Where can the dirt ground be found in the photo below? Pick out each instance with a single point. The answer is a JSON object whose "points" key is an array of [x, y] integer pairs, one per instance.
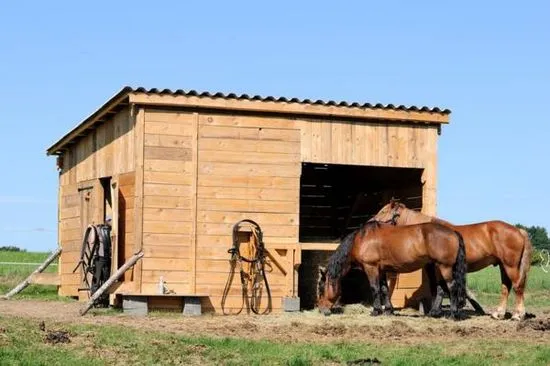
{"points": [[354, 324]]}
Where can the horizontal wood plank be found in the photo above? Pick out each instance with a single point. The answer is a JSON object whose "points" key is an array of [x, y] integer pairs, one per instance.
{"points": [[164, 239], [156, 115], [245, 180], [167, 202], [267, 194], [178, 288], [260, 218], [165, 264], [179, 178], [225, 156], [166, 214], [246, 121], [256, 170], [164, 128], [167, 153], [262, 146], [170, 277], [290, 231], [163, 227], [167, 141], [72, 200], [172, 190], [249, 133], [167, 166], [235, 205], [69, 212], [166, 251]]}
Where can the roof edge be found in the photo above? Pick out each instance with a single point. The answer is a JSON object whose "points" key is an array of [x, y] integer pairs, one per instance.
{"points": [[85, 124], [193, 98]]}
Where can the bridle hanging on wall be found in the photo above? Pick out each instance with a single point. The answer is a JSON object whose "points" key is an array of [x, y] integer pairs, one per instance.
{"points": [[256, 274]]}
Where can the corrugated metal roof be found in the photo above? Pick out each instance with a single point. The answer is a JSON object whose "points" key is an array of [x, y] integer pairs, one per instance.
{"points": [[122, 99], [195, 93]]}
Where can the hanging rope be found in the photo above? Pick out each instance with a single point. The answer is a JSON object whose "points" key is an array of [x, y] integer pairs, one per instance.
{"points": [[255, 274]]}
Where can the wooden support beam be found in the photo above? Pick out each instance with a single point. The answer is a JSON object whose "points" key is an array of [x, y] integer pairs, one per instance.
{"points": [[17, 289], [129, 263]]}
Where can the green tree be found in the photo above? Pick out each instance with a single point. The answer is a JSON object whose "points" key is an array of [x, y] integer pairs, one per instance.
{"points": [[538, 235]]}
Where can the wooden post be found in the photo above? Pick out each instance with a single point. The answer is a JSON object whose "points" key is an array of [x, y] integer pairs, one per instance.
{"points": [[129, 263], [28, 280]]}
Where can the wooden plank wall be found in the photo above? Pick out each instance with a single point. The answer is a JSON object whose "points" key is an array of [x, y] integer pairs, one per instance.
{"points": [[245, 167], [107, 151], [167, 183], [249, 167]]}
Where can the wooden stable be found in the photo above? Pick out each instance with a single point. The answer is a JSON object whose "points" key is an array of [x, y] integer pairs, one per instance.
{"points": [[177, 169]]}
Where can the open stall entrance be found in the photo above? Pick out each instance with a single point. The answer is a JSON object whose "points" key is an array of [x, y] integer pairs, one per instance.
{"points": [[336, 199]]}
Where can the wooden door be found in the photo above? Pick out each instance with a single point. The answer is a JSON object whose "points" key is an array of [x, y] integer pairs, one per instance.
{"points": [[91, 213]]}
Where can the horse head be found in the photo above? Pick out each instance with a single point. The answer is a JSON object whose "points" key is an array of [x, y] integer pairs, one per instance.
{"points": [[390, 213], [327, 292]]}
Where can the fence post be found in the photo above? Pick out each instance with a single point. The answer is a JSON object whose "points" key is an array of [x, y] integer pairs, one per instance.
{"points": [[17, 289]]}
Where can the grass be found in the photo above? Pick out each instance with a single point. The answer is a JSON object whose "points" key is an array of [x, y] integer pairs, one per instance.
{"points": [[12, 275], [486, 286], [22, 343]]}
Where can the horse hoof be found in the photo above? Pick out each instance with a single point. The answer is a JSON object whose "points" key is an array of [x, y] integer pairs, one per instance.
{"points": [[456, 316], [517, 317], [434, 313], [388, 311], [497, 315], [375, 312]]}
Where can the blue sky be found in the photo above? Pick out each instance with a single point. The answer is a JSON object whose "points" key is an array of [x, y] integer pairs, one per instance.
{"points": [[487, 63]]}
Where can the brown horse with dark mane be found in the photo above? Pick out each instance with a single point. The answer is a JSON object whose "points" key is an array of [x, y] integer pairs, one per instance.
{"points": [[379, 248], [487, 243]]}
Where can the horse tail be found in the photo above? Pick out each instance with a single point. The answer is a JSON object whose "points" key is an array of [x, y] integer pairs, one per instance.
{"points": [[459, 273], [525, 262]]}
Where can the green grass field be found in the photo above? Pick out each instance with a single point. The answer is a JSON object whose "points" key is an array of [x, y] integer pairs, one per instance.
{"points": [[486, 286], [11, 275], [22, 343]]}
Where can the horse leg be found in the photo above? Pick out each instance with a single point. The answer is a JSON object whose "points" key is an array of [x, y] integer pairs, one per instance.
{"points": [[374, 281], [384, 294], [514, 275], [436, 291], [504, 292]]}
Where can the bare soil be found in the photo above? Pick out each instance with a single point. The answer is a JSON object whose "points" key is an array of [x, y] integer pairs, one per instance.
{"points": [[354, 324]]}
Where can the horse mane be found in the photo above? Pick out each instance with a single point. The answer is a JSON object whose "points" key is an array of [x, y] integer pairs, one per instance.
{"points": [[340, 258]]}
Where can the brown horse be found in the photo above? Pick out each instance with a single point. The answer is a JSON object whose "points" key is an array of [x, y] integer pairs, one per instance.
{"points": [[379, 248], [487, 243]]}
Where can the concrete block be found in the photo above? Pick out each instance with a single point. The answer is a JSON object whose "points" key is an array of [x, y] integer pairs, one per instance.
{"points": [[192, 306], [135, 305], [291, 303]]}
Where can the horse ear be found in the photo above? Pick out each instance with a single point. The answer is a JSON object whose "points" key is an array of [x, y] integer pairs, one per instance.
{"points": [[393, 202]]}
